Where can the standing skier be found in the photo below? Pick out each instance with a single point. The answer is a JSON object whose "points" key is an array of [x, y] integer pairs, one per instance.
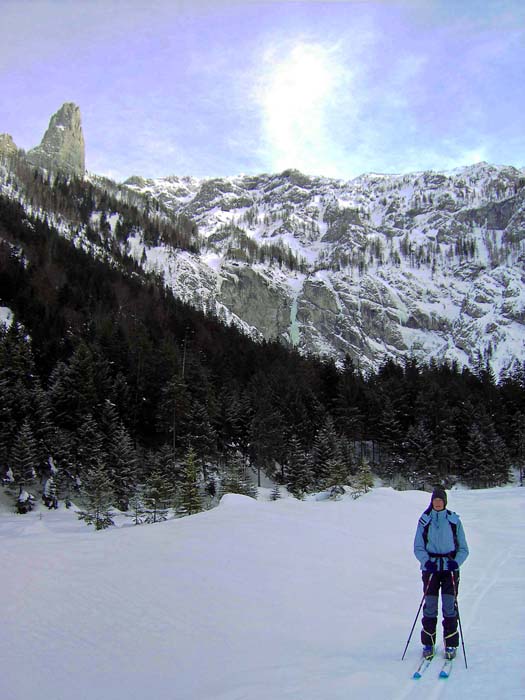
{"points": [[441, 548]]}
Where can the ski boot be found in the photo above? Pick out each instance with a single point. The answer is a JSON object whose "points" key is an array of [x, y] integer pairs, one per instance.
{"points": [[428, 652], [450, 652]]}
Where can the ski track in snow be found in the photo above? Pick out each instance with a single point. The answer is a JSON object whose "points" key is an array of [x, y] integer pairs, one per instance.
{"points": [[257, 601]]}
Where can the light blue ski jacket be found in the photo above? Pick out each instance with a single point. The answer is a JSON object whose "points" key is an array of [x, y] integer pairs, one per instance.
{"points": [[440, 539]]}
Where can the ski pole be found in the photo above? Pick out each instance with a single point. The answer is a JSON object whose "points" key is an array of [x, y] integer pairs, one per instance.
{"points": [[459, 617], [417, 615]]}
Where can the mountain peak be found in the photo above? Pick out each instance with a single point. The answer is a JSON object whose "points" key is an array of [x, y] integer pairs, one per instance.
{"points": [[7, 145], [62, 147]]}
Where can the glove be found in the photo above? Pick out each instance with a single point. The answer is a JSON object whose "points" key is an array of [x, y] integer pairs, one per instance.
{"points": [[452, 565], [431, 567]]}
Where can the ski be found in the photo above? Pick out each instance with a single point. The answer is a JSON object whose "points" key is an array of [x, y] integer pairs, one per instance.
{"points": [[446, 669], [423, 665]]}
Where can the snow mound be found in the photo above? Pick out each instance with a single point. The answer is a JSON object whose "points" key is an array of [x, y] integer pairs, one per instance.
{"points": [[6, 316], [236, 499]]}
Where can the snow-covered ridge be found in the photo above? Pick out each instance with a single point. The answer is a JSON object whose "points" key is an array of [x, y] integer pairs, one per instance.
{"points": [[427, 263]]}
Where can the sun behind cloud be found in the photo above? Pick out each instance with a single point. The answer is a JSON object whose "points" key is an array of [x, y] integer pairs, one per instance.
{"points": [[298, 90]]}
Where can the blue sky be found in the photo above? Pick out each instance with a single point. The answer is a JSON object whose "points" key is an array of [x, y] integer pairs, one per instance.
{"points": [[222, 88]]}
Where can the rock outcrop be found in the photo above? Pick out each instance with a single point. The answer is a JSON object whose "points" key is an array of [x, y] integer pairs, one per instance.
{"points": [[7, 146], [62, 148]]}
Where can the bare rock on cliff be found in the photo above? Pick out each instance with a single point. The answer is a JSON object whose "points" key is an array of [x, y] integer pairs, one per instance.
{"points": [[62, 148]]}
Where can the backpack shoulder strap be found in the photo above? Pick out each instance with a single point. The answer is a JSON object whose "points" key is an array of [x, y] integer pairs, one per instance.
{"points": [[454, 527], [425, 521]]}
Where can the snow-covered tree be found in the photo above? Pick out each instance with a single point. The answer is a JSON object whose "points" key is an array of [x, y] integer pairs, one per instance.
{"points": [[50, 493]]}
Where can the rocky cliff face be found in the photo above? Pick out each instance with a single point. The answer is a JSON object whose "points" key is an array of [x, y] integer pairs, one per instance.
{"points": [[7, 146], [430, 264], [62, 147]]}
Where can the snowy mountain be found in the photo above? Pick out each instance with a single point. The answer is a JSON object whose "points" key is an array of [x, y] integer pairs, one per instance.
{"points": [[256, 600], [382, 266], [427, 264]]}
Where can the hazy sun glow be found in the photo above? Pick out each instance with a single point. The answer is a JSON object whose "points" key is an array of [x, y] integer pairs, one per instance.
{"points": [[295, 98]]}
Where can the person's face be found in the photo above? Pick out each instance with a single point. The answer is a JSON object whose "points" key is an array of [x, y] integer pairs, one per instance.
{"points": [[438, 504]]}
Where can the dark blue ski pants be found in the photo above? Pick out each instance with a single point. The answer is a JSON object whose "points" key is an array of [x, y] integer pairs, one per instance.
{"points": [[440, 581]]}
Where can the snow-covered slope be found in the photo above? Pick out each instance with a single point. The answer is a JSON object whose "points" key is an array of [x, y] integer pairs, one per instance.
{"points": [[383, 266], [256, 601]]}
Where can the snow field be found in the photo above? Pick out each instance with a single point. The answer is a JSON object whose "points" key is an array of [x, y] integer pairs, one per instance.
{"points": [[256, 600]]}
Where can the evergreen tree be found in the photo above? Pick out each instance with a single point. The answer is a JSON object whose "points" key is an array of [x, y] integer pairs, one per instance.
{"points": [[338, 475], [229, 421], [391, 436], [136, 507], [298, 474], [492, 457], [73, 389], [66, 473], [446, 450], [18, 379], [419, 453], [276, 493], [364, 480], [518, 434], [97, 497], [44, 430], [268, 431], [159, 494], [499, 454], [24, 458], [123, 466], [190, 501], [477, 464], [88, 448], [235, 480], [174, 411], [121, 458], [326, 455], [202, 437], [348, 416]]}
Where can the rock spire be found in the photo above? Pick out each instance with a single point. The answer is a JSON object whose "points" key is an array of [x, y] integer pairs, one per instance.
{"points": [[62, 147], [7, 145]]}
